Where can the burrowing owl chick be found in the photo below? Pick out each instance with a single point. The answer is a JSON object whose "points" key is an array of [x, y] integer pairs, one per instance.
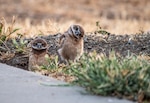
{"points": [[37, 56], [71, 47]]}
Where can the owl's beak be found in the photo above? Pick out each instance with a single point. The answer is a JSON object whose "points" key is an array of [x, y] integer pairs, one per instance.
{"points": [[39, 45], [77, 32]]}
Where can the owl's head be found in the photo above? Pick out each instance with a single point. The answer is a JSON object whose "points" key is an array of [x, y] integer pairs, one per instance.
{"points": [[39, 44], [76, 31]]}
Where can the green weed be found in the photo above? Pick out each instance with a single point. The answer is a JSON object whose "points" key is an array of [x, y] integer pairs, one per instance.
{"points": [[125, 77], [52, 64], [20, 45], [100, 30], [5, 32]]}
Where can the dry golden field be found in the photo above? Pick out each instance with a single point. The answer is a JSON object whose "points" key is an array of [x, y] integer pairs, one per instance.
{"points": [[53, 16]]}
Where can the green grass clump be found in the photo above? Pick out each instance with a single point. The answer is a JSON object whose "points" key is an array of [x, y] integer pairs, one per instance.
{"points": [[52, 65], [125, 77], [20, 45], [5, 33]]}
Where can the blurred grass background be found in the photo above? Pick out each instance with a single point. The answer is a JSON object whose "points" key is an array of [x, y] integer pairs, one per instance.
{"points": [[53, 16]]}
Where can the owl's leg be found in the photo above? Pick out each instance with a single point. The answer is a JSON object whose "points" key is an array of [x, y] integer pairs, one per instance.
{"points": [[61, 59]]}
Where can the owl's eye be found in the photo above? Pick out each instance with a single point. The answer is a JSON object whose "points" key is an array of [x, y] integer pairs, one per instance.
{"points": [[75, 28], [43, 44], [34, 44]]}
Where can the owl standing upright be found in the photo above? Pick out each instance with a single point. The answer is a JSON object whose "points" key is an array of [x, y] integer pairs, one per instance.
{"points": [[71, 44]]}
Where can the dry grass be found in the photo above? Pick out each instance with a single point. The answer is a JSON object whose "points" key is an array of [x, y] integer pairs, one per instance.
{"points": [[48, 27], [50, 16]]}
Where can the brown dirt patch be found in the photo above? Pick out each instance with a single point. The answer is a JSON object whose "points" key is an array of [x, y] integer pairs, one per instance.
{"points": [[139, 45]]}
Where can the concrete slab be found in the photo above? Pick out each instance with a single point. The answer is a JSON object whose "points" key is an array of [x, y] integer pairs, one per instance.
{"points": [[20, 86]]}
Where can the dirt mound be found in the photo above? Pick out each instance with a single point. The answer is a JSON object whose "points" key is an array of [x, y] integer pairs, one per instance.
{"points": [[123, 44]]}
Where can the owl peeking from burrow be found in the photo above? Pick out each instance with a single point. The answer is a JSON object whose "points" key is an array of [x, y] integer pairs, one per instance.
{"points": [[38, 53]]}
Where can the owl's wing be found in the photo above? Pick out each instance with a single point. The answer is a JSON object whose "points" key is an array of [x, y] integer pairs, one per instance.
{"points": [[62, 39]]}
